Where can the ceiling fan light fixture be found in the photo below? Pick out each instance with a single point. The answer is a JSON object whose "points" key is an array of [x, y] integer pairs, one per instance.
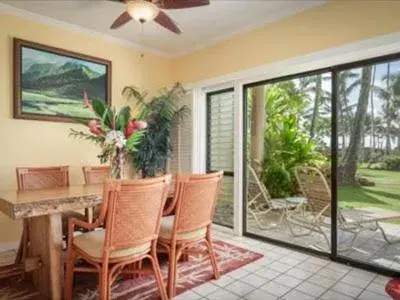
{"points": [[142, 11]]}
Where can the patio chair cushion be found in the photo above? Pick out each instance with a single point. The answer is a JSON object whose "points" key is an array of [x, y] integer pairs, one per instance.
{"points": [[167, 224], [393, 289], [92, 243]]}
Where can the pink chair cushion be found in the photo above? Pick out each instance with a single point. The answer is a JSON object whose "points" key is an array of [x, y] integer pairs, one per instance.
{"points": [[393, 289]]}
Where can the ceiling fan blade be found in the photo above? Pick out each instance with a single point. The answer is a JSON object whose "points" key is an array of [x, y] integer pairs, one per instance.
{"points": [[121, 20], [177, 4], [165, 21]]}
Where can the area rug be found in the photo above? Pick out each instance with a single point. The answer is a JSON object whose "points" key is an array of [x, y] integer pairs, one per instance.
{"points": [[196, 271]]}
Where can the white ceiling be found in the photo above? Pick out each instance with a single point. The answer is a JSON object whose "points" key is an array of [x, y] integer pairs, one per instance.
{"points": [[202, 26]]}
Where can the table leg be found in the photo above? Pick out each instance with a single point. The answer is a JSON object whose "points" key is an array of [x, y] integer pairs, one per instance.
{"points": [[45, 240]]}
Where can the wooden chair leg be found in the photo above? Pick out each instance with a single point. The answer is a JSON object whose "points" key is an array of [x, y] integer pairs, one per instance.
{"points": [[69, 275], [172, 272], [158, 275], [104, 293], [213, 259]]}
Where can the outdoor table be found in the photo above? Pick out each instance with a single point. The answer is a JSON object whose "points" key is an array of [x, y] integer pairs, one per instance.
{"points": [[41, 211]]}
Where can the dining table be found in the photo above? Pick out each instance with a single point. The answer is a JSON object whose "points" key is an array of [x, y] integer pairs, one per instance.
{"points": [[41, 212]]}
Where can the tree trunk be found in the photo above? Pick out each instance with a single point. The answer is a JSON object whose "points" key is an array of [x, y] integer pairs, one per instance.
{"points": [[257, 126], [347, 171], [388, 115], [372, 110], [317, 101]]}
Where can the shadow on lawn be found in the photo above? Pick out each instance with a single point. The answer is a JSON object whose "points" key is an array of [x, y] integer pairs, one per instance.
{"points": [[384, 194], [351, 194]]}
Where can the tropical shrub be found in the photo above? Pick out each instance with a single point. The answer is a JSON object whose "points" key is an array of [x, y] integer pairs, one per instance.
{"points": [[391, 163], [286, 144], [162, 113]]}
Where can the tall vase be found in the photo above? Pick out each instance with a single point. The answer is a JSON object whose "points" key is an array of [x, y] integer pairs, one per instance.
{"points": [[117, 165]]}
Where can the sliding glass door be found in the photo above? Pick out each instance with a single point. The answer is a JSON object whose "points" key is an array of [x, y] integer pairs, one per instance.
{"points": [[220, 118], [368, 223], [288, 125], [322, 162]]}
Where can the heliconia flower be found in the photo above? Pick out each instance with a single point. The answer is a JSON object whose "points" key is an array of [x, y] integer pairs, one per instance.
{"points": [[95, 128], [86, 101], [140, 124], [130, 129]]}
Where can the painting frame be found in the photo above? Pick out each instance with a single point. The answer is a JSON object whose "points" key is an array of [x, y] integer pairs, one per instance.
{"points": [[18, 45]]}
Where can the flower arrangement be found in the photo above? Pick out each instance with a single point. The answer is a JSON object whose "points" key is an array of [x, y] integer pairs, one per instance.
{"points": [[117, 133]]}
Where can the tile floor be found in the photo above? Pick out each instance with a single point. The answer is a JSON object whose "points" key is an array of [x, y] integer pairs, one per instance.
{"points": [[287, 274]]}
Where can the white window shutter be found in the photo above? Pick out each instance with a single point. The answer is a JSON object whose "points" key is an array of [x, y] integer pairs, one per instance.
{"points": [[181, 157]]}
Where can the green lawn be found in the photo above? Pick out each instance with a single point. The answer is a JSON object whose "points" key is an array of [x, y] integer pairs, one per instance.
{"points": [[386, 193], [49, 105]]}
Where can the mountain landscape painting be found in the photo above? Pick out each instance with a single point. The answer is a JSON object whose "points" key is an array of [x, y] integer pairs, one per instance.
{"points": [[53, 85]]}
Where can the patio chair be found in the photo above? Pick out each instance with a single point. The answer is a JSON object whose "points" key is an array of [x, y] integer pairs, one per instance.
{"points": [[132, 211], [94, 175], [317, 212], [191, 224], [261, 206]]}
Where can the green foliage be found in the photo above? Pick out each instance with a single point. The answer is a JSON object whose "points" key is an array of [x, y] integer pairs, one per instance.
{"points": [[163, 112], [286, 144], [391, 163]]}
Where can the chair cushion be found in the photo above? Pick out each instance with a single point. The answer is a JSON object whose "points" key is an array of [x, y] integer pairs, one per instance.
{"points": [[167, 224], [92, 243]]}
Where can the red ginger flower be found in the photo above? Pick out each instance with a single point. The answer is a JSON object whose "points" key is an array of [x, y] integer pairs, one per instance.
{"points": [[95, 127]]}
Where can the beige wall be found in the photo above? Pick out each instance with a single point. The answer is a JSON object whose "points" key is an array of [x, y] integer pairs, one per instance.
{"points": [[37, 143], [330, 25]]}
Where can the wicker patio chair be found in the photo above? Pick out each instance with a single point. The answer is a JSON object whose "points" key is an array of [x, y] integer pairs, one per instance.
{"points": [[260, 204], [94, 175], [132, 212], [191, 224], [37, 179], [318, 210]]}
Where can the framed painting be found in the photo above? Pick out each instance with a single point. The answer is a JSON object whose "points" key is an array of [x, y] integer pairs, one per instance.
{"points": [[51, 84]]}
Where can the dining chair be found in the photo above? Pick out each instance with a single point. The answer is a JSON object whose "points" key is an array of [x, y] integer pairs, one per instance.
{"points": [[94, 175], [191, 224], [37, 179], [131, 210]]}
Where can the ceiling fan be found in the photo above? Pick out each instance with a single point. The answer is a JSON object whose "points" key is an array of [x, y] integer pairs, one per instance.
{"points": [[147, 10]]}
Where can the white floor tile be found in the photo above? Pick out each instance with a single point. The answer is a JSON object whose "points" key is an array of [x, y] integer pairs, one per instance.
{"points": [[288, 281], [266, 272], [377, 288], [311, 289], [224, 280], [279, 267], [206, 289], [254, 280], [189, 295], [239, 288], [294, 294], [299, 273], [348, 290], [332, 295], [275, 288], [366, 295], [356, 281], [260, 295], [222, 295]]}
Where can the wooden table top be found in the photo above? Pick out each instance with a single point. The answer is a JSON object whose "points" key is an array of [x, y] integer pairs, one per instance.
{"points": [[25, 204]]}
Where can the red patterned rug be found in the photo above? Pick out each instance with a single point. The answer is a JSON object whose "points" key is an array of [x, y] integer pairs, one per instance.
{"points": [[191, 273]]}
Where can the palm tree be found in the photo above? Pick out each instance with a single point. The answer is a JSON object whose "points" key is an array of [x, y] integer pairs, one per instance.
{"points": [[345, 88], [347, 171]]}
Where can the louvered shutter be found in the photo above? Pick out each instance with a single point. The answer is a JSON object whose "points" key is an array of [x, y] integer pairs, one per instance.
{"points": [[181, 158], [220, 147]]}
